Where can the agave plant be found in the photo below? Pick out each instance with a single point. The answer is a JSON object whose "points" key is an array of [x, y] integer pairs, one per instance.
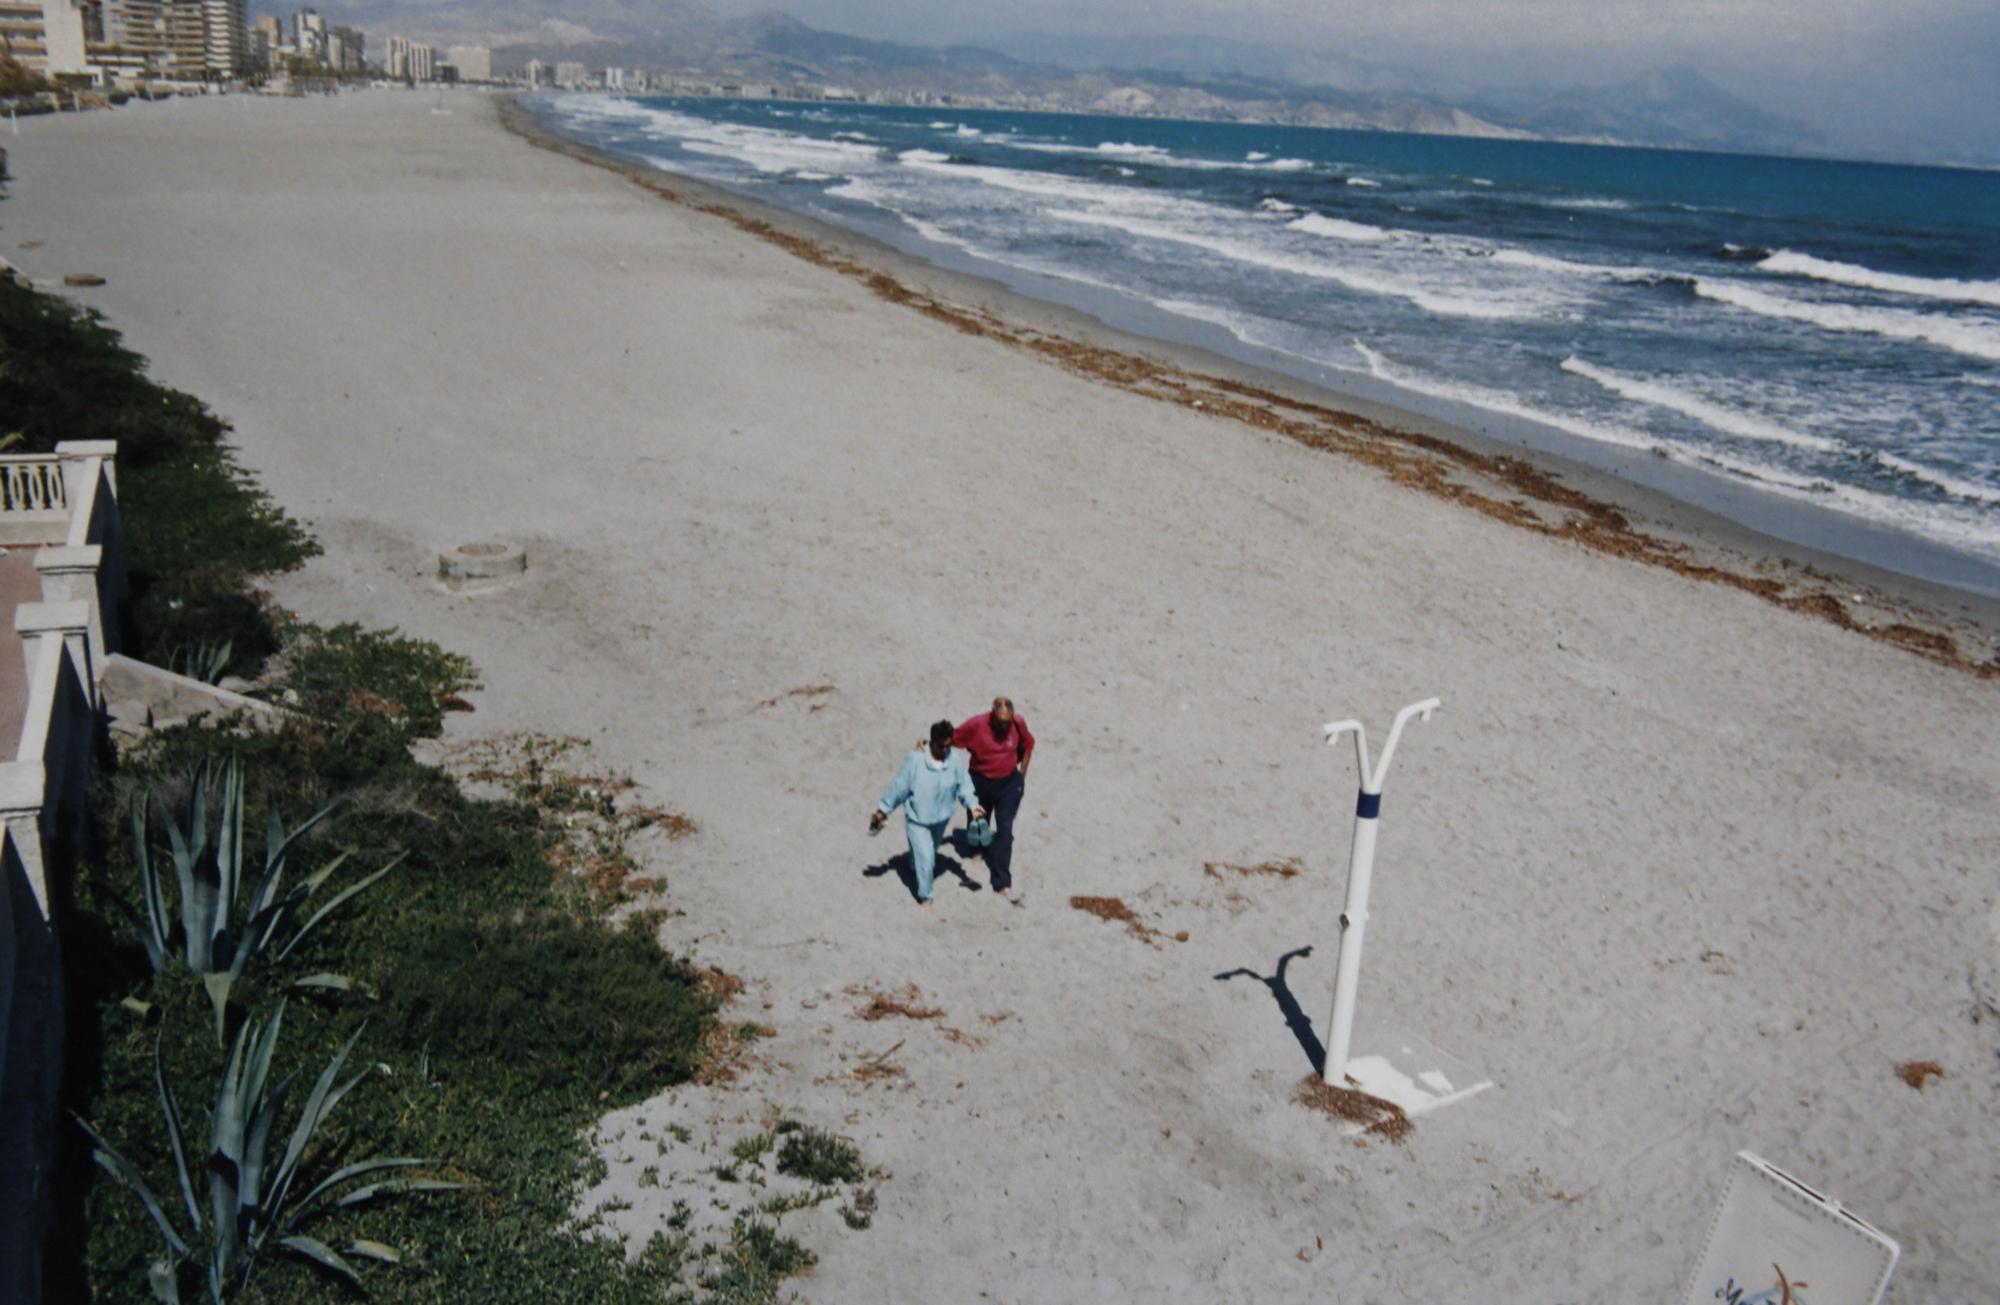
{"points": [[250, 1207], [203, 659], [213, 937]]}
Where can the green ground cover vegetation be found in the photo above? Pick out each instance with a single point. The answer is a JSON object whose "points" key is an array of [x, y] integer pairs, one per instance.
{"points": [[494, 1008]]}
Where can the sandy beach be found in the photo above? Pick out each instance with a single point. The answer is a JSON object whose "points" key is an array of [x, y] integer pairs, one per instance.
{"points": [[1680, 869]]}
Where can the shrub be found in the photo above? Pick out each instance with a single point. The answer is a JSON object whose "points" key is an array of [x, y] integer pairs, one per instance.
{"points": [[819, 1157], [346, 668], [554, 1003]]}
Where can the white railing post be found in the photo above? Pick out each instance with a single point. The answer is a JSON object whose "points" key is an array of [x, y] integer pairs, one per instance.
{"points": [[1360, 870], [70, 575], [74, 452], [70, 623], [23, 785]]}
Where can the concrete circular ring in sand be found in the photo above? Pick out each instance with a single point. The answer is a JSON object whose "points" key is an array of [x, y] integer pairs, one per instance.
{"points": [[482, 564]]}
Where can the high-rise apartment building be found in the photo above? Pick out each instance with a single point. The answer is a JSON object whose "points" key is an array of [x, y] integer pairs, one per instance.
{"points": [[346, 49], [570, 73], [423, 62], [536, 73], [474, 62], [225, 37], [45, 35], [309, 34]]}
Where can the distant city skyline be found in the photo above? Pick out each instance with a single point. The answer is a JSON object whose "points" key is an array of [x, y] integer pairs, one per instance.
{"points": [[1884, 74]]}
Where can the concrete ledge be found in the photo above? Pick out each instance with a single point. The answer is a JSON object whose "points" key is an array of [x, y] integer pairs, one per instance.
{"points": [[139, 697]]}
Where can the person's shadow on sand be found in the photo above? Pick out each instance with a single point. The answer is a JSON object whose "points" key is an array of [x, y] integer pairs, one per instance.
{"points": [[901, 866], [1288, 1005]]}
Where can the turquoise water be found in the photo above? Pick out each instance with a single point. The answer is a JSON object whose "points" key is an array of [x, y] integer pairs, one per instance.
{"points": [[1812, 347]]}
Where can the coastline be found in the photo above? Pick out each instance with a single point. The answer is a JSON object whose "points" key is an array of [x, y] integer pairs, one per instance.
{"points": [[1681, 871], [1533, 488]]}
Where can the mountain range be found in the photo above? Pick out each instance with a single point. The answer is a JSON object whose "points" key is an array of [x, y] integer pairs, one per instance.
{"points": [[1162, 76]]}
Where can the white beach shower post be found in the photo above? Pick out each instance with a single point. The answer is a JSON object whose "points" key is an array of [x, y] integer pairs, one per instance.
{"points": [[1360, 868]]}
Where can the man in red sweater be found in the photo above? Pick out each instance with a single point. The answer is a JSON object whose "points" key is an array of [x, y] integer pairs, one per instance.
{"points": [[1001, 748]]}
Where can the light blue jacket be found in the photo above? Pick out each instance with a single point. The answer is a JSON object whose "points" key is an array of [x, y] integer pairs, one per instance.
{"points": [[931, 794]]}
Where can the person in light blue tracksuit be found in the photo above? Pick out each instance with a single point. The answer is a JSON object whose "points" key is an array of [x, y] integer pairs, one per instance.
{"points": [[932, 783]]}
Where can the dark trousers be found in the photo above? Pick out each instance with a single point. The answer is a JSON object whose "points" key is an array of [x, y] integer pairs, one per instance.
{"points": [[1001, 798]]}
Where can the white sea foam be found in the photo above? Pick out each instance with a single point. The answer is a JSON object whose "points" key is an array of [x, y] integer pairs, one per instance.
{"points": [[1950, 484], [1269, 205], [1318, 224], [1566, 267], [923, 156], [1974, 530], [1047, 185], [1730, 421], [1587, 203], [1511, 406], [804, 175], [1972, 338], [1245, 327], [964, 130], [1255, 156], [1363, 181], [852, 135], [1480, 181], [1985, 382], [1365, 282], [942, 126], [1289, 165], [1789, 263]]}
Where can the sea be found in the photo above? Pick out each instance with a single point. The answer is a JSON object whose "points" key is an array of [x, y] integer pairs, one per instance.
{"points": [[1808, 347]]}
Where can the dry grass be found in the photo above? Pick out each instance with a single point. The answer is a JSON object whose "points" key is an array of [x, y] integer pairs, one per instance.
{"points": [[1917, 1073], [1503, 488], [900, 1004], [1378, 1118], [591, 817], [1290, 867], [1113, 910], [803, 691]]}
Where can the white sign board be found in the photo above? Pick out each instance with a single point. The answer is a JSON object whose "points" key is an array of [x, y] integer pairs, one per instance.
{"points": [[1775, 1241]]}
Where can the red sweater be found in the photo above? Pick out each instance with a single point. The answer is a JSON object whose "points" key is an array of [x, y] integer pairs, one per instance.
{"points": [[994, 758]]}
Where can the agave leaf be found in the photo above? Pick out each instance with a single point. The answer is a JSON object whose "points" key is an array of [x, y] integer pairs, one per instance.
{"points": [[309, 1121], [340, 897], [324, 1256], [257, 1145], [158, 934], [263, 1047], [107, 1158], [198, 914], [228, 854], [176, 1134], [165, 1282], [325, 872], [330, 982], [395, 1186], [142, 1009], [272, 855], [374, 1251], [154, 955], [217, 987], [184, 859], [353, 1171], [225, 1157]]}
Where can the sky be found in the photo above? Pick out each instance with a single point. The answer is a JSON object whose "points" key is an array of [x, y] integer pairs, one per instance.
{"points": [[1878, 74]]}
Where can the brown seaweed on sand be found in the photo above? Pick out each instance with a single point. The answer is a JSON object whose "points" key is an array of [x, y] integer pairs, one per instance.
{"points": [[1378, 1118]]}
